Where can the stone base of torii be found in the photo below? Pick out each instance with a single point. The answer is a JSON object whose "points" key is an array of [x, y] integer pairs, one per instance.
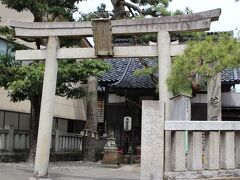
{"points": [[102, 31]]}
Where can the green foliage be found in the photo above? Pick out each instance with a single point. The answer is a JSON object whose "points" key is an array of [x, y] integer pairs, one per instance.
{"points": [[100, 13], [122, 9], [45, 10], [146, 71], [7, 32], [141, 9], [157, 8], [25, 81], [73, 75], [202, 60]]}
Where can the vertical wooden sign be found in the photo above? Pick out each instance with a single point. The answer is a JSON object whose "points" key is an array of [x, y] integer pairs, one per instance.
{"points": [[102, 36]]}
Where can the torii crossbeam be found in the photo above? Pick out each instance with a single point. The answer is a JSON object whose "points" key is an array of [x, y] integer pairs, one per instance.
{"points": [[192, 22], [103, 33]]}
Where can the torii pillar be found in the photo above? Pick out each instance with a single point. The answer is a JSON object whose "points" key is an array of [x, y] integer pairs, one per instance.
{"points": [[47, 109], [161, 26], [164, 68]]}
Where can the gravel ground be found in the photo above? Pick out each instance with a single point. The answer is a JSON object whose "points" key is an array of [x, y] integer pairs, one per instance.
{"points": [[69, 170], [62, 165], [79, 170]]}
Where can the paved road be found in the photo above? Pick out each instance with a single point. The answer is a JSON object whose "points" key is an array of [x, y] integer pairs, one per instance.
{"points": [[23, 172]]}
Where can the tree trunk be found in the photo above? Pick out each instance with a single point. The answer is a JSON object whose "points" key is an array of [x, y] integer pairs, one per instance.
{"points": [[34, 122], [118, 9], [90, 130]]}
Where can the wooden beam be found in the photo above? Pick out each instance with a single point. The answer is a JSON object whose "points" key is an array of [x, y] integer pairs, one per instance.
{"points": [[89, 53], [202, 126], [193, 22]]}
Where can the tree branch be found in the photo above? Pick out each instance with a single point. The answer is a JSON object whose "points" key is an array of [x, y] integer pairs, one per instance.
{"points": [[131, 11], [153, 77], [132, 6]]}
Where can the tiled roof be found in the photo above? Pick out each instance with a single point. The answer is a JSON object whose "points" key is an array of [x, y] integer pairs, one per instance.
{"points": [[118, 67], [130, 81], [231, 75], [121, 74]]}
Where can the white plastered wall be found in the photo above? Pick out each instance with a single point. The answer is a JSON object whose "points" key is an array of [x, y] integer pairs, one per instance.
{"points": [[64, 108]]}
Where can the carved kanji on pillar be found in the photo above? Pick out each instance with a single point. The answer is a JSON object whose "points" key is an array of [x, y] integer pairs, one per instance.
{"points": [[214, 114], [214, 98]]}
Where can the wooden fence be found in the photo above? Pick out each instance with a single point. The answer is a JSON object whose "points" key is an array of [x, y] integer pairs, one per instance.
{"points": [[65, 142], [13, 141]]}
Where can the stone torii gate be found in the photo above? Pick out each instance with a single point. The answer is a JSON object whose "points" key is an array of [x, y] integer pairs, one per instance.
{"points": [[102, 31]]}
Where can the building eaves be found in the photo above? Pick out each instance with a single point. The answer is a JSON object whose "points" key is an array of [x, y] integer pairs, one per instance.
{"points": [[230, 75]]}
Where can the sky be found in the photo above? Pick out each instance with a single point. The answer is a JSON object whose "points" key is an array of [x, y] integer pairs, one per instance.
{"points": [[229, 19]]}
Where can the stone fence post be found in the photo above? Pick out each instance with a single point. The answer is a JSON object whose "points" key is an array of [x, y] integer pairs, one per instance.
{"points": [[181, 111]]}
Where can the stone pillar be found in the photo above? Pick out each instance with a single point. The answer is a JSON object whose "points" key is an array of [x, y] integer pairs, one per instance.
{"points": [[211, 160], [178, 151], [152, 152], [214, 99], [214, 113], [237, 148], [227, 150], [195, 151], [164, 68], [47, 108], [181, 111], [227, 143]]}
